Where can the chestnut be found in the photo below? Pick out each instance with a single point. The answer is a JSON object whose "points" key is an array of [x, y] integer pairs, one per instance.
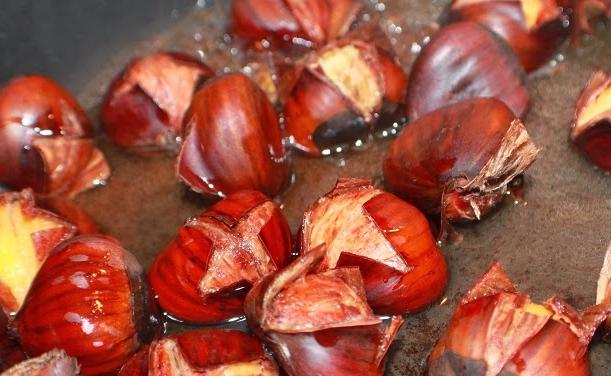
{"points": [[316, 319], [54, 363], [341, 93], [90, 299], [306, 23], [27, 236], [465, 60], [458, 160], [70, 211], [591, 130], [202, 352], [388, 239], [10, 351], [145, 104], [232, 140], [533, 28], [46, 139], [204, 273], [496, 330]]}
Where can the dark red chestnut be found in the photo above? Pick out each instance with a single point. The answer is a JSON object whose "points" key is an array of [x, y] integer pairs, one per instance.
{"points": [[342, 92], [303, 22], [388, 239], [27, 236], [457, 161], [145, 104], [212, 352], [496, 330], [232, 140], [592, 121], [10, 352], [204, 274], [54, 363], [317, 321], [464, 60], [46, 139], [90, 299]]}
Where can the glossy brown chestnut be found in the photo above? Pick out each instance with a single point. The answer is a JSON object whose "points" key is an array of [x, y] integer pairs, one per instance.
{"points": [[204, 274], [457, 161], [90, 299], [464, 60], [54, 363], [603, 292], [27, 236], [10, 351], [319, 319], [388, 239], [342, 93], [46, 139], [145, 104], [533, 28], [212, 352], [307, 23], [591, 130], [496, 330], [232, 140]]}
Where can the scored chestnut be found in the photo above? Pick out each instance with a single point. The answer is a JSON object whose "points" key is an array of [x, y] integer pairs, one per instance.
{"points": [[319, 319], [306, 23], [232, 140], [591, 130], [47, 140], [458, 161], [204, 273], [465, 60], [54, 363], [27, 236], [496, 330], [388, 239], [90, 298], [341, 94], [145, 104], [202, 352]]}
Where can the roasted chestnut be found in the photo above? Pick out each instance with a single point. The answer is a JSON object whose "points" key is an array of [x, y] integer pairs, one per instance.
{"points": [[496, 330], [90, 299], [464, 60], [54, 363], [46, 139], [319, 319], [533, 28], [388, 239], [232, 140], [204, 274], [307, 23], [27, 236], [603, 292], [458, 161], [10, 352], [145, 104], [202, 352], [592, 121]]}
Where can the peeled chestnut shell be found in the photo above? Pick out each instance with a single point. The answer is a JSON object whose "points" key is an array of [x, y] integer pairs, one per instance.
{"points": [[317, 321], [232, 140], [457, 161], [53, 363], [592, 121], [465, 60], [46, 139], [145, 104], [388, 239], [90, 299], [202, 352], [204, 274], [496, 330]]}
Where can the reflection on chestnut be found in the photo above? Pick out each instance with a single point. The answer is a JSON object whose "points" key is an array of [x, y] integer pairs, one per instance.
{"points": [[204, 274], [54, 363], [319, 319], [46, 139], [388, 239], [90, 299], [464, 60], [457, 161], [496, 330], [145, 104], [10, 351], [232, 140], [202, 352]]}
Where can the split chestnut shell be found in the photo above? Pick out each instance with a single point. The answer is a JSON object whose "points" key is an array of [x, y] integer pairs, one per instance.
{"points": [[54, 363]]}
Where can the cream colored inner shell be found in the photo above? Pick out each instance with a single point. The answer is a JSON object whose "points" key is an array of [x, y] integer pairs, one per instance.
{"points": [[601, 104]]}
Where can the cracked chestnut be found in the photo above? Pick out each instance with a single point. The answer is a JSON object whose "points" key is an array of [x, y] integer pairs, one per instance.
{"points": [[54, 363]]}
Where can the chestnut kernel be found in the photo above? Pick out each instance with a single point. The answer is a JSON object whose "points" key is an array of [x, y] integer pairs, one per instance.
{"points": [[54, 363]]}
